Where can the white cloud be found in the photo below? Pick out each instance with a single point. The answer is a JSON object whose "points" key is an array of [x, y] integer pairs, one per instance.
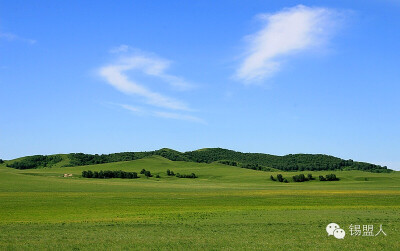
{"points": [[286, 32], [13, 37], [115, 75]]}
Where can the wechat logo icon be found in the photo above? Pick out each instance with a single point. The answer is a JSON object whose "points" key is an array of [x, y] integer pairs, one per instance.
{"points": [[335, 230]]}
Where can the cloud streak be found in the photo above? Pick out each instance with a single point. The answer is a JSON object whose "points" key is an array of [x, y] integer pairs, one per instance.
{"points": [[115, 75], [284, 33]]}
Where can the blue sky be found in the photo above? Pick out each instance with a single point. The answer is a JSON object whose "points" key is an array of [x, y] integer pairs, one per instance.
{"points": [[275, 77]]}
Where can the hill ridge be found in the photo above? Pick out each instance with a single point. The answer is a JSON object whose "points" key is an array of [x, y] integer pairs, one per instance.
{"points": [[257, 161]]}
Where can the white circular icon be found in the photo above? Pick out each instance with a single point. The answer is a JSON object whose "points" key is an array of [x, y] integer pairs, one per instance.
{"points": [[331, 228], [339, 233]]}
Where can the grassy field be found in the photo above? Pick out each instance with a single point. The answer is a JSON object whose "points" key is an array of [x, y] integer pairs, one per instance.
{"points": [[225, 208]]}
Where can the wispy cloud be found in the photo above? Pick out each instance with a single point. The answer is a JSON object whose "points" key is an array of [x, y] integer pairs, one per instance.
{"points": [[119, 49], [115, 75], [13, 37], [171, 115], [284, 33], [160, 114], [132, 108]]}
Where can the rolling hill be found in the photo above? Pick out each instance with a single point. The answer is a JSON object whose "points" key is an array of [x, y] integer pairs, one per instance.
{"points": [[255, 161], [226, 207]]}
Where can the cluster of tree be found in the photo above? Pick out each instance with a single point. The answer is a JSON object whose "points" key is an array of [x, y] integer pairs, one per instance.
{"points": [[80, 159], [279, 178], [228, 162], [110, 174], [1, 161], [147, 173], [190, 176], [36, 161], [291, 162], [170, 173], [301, 177], [328, 177]]}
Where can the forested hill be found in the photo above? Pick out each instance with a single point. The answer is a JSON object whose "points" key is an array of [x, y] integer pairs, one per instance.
{"points": [[258, 161]]}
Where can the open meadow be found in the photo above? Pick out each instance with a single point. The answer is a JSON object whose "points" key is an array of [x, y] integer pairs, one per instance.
{"points": [[226, 207]]}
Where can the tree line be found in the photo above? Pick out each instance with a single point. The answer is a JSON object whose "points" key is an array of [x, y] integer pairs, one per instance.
{"points": [[291, 162], [189, 176], [302, 178], [109, 174], [130, 175], [178, 175], [36, 161], [81, 159]]}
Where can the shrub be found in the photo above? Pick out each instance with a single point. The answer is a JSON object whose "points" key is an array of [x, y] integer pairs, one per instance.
{"points": [[285, 180], [300, 178], [143, 171], [147, 174], [158, 176], [328, 177], [89, 174], [279, 177], [310, 177], [170, 173], [1, 161], [331, 177], [272, 178]]}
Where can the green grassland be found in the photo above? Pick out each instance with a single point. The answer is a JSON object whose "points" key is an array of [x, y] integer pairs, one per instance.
{"points": [[226, 208]]}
